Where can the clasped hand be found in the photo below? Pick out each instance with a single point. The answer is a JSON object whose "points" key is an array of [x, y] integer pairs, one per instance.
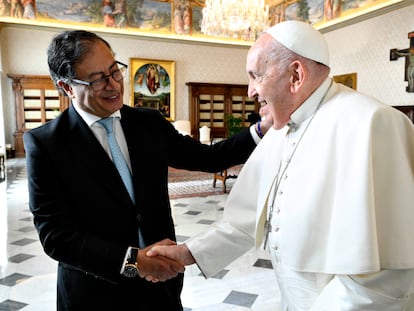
{"points": [[165, 260], [158, 268]]}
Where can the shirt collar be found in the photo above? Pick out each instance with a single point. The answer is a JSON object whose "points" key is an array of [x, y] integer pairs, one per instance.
{"points": [[310, 105], [90, 118]]}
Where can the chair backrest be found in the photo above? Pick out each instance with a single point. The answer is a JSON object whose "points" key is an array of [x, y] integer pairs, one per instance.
{"points": [[183, 127], [205, 135]]}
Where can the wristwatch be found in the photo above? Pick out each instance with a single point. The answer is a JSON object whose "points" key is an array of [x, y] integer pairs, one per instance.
{"points": [[130, 268]]}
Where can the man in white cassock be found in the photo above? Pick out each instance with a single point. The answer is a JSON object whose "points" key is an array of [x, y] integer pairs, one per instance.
{"points": [[329, 190]]}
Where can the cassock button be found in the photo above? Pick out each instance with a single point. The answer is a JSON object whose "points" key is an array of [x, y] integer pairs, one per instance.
{"points": [[275, 247], [277, 229], [139, 218]]}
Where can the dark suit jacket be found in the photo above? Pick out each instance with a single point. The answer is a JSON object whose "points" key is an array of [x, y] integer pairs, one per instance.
{"points": [[83, 213]]}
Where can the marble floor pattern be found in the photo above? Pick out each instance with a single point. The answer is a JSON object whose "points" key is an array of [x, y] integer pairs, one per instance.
{"points": [[28, 276]]}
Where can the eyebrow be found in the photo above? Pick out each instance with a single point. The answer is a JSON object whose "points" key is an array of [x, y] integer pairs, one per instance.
{"points": [[102, 73]]}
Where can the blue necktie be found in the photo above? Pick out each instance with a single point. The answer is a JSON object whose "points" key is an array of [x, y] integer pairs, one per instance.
{"points": [[117, 157]]}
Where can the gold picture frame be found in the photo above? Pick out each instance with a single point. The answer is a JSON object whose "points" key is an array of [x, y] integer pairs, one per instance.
{"points": [[349, 79], [153, 85]]}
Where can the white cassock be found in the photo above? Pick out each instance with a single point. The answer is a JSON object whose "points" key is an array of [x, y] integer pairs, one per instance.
{"points": [[342, 233]]}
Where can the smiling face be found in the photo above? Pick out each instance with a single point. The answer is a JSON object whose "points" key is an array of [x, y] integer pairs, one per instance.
{"points": [[269, 80], [98, 62], [280, 78]]}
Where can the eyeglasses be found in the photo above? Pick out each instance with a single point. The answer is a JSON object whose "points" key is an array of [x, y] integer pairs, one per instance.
{"points": [[102, 82]]}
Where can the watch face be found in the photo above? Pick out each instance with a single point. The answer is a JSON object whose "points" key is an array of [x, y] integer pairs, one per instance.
{"points": [[130, 271]]}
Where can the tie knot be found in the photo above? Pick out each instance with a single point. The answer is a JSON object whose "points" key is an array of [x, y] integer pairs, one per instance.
{"points": [[107, 124]]}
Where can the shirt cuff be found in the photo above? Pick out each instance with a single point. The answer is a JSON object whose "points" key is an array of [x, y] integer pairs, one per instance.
{"points": [[254, 134], [125, 260]]}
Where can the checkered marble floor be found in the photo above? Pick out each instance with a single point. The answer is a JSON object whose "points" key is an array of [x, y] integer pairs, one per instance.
{"points": [[28, 276]]}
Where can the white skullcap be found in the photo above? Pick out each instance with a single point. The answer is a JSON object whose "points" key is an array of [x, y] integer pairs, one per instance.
{"points": [[301, 38]]}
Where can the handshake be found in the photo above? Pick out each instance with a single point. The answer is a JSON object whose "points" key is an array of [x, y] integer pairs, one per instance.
{"points": [[163, 260]]}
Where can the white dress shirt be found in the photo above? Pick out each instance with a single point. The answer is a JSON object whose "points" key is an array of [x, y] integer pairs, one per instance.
{"points": [[101, 134]]}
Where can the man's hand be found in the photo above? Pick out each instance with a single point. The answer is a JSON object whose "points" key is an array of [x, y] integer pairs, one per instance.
{"points": [[265, 114], [179, 253], [158, 268], [266, 122]]}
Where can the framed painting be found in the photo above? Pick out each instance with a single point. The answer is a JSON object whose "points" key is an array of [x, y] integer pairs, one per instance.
{"points": [[153, 85], [349, 79], [327, 15]]}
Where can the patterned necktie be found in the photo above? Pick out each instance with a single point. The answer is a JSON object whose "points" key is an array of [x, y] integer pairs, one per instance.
{"points": [[117, 157]]}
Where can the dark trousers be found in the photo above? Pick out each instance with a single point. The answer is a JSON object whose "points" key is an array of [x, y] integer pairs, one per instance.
{"points": [[78, 291]]}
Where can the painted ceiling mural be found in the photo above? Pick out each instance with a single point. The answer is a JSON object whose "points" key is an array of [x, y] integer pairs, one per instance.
{"points": [[178, 17]]}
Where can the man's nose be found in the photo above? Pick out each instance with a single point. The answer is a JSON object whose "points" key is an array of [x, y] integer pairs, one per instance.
{"points": [[251, 91]]}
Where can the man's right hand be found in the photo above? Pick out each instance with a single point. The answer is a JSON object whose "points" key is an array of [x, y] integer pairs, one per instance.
{"points": [[158, 268], [177, 253]]}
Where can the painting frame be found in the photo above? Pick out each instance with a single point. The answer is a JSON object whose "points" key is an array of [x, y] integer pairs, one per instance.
{"points": [[348, 79], [152, 83], [355, 15]]}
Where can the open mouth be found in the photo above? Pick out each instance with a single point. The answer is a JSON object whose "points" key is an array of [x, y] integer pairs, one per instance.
{"points": [[111, 97], [262, 103]]}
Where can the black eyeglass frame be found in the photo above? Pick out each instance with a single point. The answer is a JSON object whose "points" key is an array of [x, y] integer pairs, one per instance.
{"points": [[122, 69]]}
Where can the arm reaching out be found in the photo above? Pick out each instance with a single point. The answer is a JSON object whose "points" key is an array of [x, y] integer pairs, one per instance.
{"points": [[179, 253]]}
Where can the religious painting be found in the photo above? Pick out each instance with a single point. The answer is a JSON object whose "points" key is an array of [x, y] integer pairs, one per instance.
{"points": [[176, 19], [325, 13], [24, 9], [349, 79], [153, 85], [110, 14]]}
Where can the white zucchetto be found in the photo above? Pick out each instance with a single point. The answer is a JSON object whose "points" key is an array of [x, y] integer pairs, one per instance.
{"points": [[301, 38]]}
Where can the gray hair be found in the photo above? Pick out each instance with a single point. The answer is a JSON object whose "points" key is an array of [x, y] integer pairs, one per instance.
{"points": [[67, 49]]}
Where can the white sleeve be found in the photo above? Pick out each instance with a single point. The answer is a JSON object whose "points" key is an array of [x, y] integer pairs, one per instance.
{"points": [[236, 234], [216, 248], [390, 290], [253, 132]]}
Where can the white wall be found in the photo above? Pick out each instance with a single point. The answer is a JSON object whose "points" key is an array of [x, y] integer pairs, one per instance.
{"points": [[362, 48], [25, 53]]}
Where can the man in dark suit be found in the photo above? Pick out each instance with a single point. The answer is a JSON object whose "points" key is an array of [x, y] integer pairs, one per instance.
{"points": [[84, 215]]}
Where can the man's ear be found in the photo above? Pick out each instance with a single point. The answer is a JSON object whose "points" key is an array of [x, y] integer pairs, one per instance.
{"points": [[297, 76], [66, 88]]}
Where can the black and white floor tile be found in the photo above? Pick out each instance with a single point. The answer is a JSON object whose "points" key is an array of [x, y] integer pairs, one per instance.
{"points": [[28, 276]]}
